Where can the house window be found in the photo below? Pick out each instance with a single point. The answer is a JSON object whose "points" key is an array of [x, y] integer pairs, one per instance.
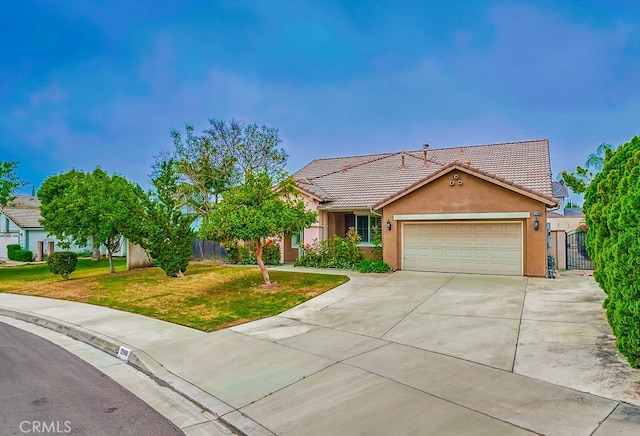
{"points": [[364, 226], [297, 240]]}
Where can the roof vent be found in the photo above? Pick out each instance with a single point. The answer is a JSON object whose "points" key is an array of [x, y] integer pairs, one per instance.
{"points": [[402, 166], [425, 146], [346, 167]]}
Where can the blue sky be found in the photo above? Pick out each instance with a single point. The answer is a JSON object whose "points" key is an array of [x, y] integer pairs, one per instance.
{"points": [[86, 84]]}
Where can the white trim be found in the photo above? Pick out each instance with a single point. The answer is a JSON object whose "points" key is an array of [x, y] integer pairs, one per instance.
{"points": [[462, 216], [469, 222]]}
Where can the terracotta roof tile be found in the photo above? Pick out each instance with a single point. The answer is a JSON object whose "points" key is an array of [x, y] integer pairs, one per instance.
{"points": [[359, 182]]}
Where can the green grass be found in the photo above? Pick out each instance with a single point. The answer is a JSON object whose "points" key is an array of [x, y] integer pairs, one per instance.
{"points": [[210, 296]]}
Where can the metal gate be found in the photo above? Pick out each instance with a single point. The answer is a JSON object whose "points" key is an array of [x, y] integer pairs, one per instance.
{"points": [[577, 256], [207, 250]]}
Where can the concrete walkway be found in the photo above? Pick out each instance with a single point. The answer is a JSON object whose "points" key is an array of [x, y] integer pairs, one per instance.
{"points": [[406, 353]]}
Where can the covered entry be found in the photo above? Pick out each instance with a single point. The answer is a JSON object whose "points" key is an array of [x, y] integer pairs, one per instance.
{"points": [[479, 247]]}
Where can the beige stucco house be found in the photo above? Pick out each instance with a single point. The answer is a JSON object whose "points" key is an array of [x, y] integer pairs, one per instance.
{"points": [[474, 209]]}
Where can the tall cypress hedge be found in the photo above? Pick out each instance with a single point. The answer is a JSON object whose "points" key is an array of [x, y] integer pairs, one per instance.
{"points": [[612, 213]]}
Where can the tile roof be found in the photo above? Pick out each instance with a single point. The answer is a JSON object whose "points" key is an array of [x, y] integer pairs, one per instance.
{"points": [[24, 210], [25, 218], [359, 182]]}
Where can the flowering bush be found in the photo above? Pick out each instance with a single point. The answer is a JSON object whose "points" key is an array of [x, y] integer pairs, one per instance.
{"points": [[582, 228], [336, 252]]}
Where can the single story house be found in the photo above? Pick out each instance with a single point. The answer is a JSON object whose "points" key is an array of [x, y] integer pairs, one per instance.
{"points": [[20, 224], [473, 209]]}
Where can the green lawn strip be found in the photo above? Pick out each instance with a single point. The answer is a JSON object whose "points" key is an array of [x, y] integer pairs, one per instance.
{"points": [[210, 297], [34, 273]]}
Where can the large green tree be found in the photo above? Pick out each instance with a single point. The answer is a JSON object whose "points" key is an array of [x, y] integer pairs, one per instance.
{"points": [[9, 182], [220, 157], [612, 213], [255, 211], [78, 206], [252, 148], [164, 229]]}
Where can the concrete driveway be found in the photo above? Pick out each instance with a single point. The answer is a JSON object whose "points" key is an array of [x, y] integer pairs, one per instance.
{"points": [[399, 354], [430, 353]]}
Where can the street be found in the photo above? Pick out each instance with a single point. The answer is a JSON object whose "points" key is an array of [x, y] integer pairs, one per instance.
{"points": [[46, 390]]}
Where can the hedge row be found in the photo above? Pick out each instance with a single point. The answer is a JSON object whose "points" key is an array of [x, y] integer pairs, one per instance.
{"points": [[612, 213], [14, 252]]}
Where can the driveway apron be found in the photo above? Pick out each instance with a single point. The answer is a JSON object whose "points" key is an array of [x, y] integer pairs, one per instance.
{"points": [[403, 353]]}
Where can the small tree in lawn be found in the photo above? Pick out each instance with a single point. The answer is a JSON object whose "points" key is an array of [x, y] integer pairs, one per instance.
{"points": [[77, 206], [165, 231], [63, 263], [255, 211]]}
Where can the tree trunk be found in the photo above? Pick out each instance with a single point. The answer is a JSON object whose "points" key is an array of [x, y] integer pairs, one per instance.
{"points": [[109, 254], [265, 273], [96, 251]]}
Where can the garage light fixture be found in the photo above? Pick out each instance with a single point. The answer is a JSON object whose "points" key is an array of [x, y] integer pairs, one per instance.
{"points": [[536, 224], [388, 225]]}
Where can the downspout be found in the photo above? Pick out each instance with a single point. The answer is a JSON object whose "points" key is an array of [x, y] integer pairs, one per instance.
{"points": [[374, 213]]}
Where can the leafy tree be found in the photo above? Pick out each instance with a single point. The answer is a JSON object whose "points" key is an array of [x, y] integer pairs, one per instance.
{"points": [[77, 206], [165, 231], [252, 148], [612, 213], [254, 212], [207, 168], [221, 157], [9, 182], [63, 263], [579, 180]]}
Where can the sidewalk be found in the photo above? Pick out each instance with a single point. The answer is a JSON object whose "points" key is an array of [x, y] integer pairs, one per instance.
{"points": [[292, 375]]}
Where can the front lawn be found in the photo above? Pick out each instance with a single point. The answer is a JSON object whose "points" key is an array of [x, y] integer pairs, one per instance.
{"points": [[211, 296]]}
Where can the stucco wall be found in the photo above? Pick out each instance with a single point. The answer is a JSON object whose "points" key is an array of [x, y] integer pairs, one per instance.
{"points": [[475, 195], [137, 257], [558, 248], [315, 232]]}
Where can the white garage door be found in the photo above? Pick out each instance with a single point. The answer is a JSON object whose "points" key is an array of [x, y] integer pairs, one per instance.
{"points": [[478, 247], [7, 239]]}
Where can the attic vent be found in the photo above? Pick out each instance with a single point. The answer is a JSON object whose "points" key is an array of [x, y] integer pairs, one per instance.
{"points": [[468, 163], [346, 167]]}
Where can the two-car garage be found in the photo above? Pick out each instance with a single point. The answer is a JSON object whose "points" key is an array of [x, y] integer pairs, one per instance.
{"points": [[464, 247]]}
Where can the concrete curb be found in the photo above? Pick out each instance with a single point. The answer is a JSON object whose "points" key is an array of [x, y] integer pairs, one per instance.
{"points": [[232, 418]]}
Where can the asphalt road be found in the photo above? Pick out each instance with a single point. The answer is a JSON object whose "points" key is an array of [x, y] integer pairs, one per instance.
{"points": [[47, 390]]}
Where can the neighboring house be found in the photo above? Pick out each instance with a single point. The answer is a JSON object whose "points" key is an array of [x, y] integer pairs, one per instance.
{"points": [[20, 224], [476, 209]]}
